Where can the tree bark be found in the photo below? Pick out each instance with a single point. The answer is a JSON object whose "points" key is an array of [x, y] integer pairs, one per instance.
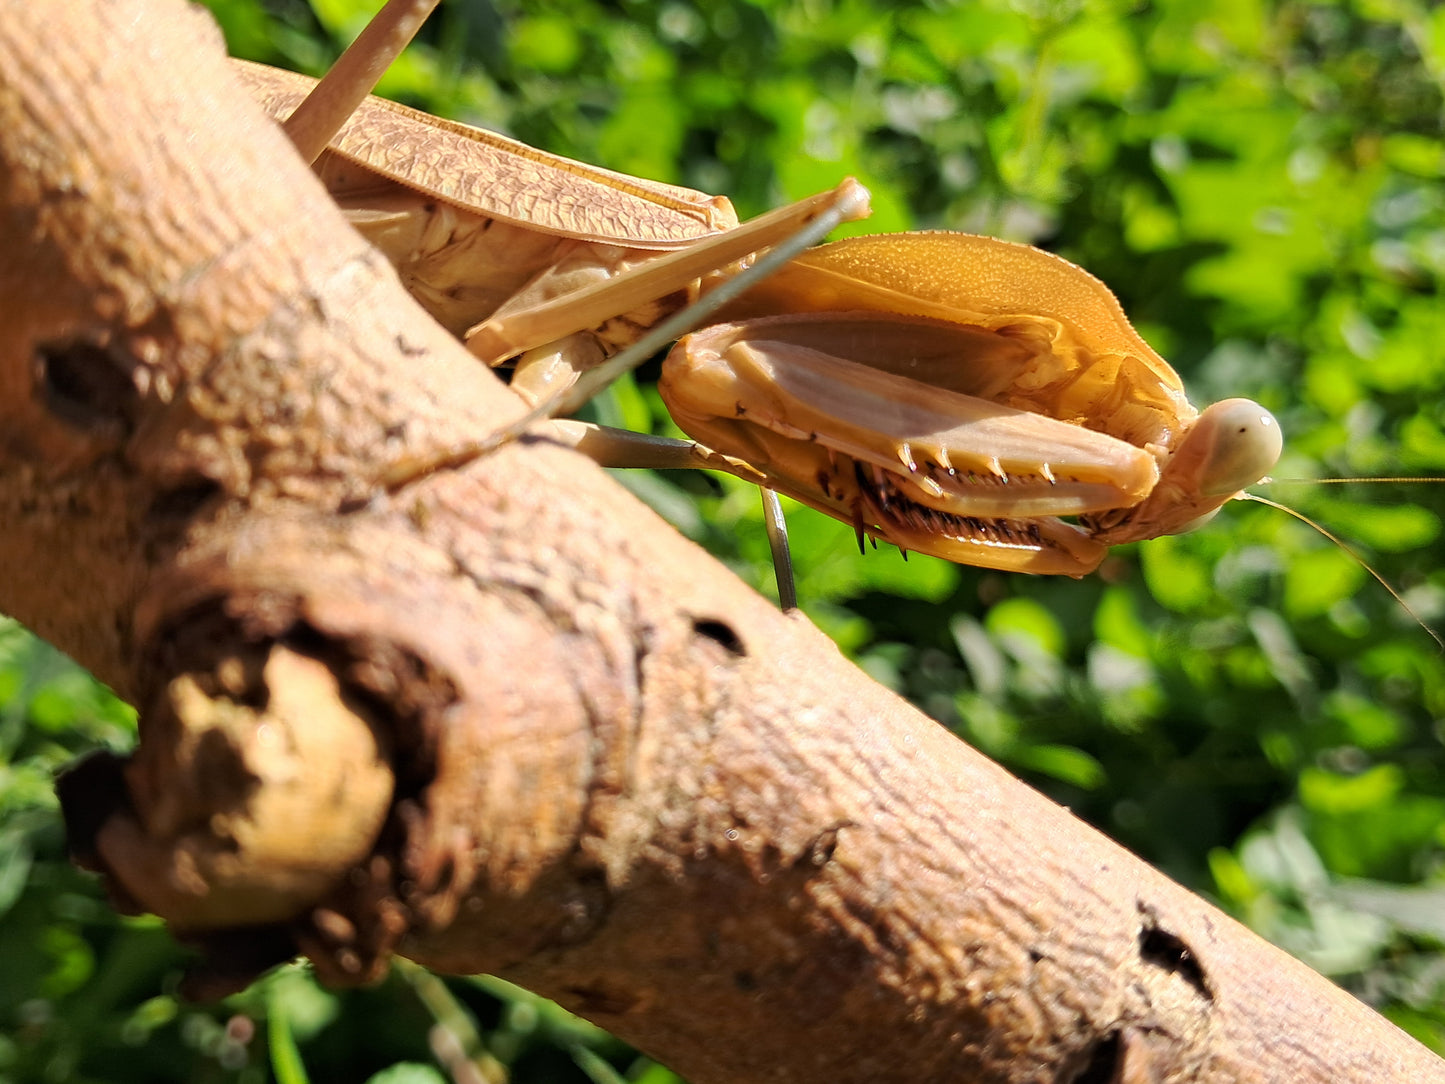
{"points": [[504, 719]]}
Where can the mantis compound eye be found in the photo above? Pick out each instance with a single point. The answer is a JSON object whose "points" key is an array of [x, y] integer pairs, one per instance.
{"points": [[1245, 444]]}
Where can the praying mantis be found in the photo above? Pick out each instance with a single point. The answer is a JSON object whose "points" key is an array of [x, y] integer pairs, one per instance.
{"points": [[953, 394]]}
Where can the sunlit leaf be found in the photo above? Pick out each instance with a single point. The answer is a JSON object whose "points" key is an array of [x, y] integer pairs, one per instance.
{"points": [[544, 43], [1064, 763], [1328, 792], [1317, 580]]}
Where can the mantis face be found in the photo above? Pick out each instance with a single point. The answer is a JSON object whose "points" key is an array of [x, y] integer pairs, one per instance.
{"points": [[957, 395]]}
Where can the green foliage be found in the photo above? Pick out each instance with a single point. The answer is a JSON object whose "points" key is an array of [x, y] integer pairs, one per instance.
{"points": [[1263, 183]]}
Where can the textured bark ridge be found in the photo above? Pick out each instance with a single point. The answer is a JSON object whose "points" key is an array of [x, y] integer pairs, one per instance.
{"points": [[504, 720]]}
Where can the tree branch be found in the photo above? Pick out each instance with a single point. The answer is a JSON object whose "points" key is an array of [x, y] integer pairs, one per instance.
{"points": [[505, 720]]}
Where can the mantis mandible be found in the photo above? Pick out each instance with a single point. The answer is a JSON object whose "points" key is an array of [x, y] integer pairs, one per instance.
{"points": [[955, 395]]}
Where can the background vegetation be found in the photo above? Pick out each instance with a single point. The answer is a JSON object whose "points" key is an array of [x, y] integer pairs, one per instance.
{"points": [[1261, 182]]}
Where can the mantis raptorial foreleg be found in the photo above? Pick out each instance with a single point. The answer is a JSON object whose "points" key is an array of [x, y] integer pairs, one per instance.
{"points": [[849, 200]]}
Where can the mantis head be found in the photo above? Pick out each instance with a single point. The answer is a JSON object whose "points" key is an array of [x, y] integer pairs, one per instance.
{"points": [[1230, 446]]}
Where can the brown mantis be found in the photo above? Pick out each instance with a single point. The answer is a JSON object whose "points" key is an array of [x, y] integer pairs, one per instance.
{"points": [[955, 395]]}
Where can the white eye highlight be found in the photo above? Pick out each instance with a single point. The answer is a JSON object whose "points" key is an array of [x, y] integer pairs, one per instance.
{"points": [[1245, 442]]}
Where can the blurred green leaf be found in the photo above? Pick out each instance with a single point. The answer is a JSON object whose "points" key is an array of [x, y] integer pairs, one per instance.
{"points": [[544, 43], [1419, 910], [1328, 792], [1318, 580], [407, 1073], [1064, 763], [1021, 617]]}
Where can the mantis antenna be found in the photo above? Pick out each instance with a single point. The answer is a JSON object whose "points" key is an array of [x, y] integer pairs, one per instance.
{"points": [[1244, 496]]}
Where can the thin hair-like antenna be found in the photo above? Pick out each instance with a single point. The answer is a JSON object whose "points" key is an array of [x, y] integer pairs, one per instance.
{"points": [[1439, 640], [1338, 481]]}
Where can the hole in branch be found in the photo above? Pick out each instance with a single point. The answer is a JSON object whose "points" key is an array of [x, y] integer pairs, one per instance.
{"points": [[1102, 1066], [1164, 949], [722, 633], [87, 383]]}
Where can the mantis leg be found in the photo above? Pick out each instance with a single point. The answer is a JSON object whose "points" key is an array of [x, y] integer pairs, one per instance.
{"points": [[317, 119], [812, 219], [777, 528], [546, 373], [623, 448]]}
